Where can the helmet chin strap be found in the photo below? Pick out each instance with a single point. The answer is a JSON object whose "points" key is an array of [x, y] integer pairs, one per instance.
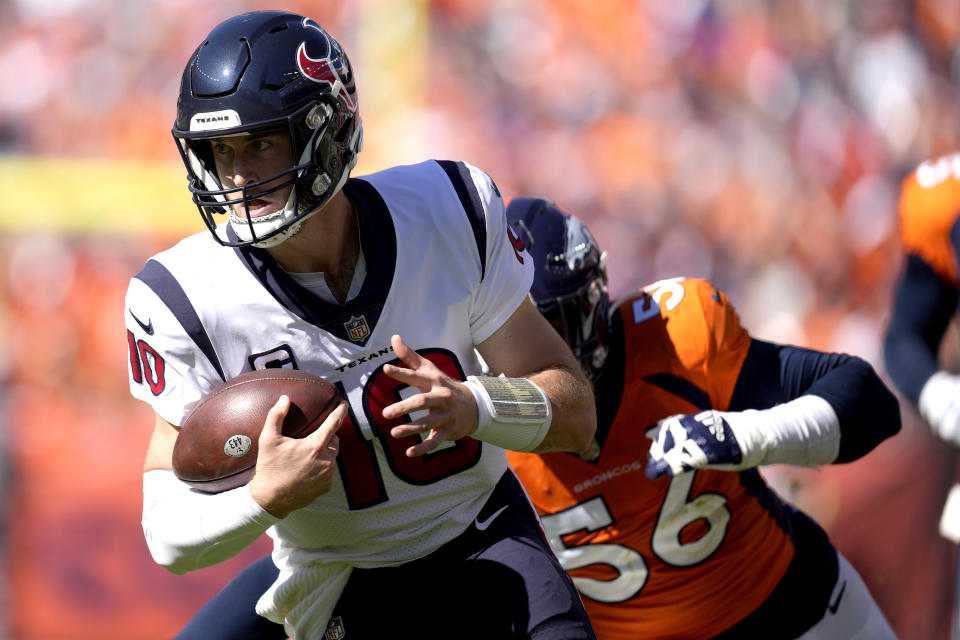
{"points": [[245, 229], [274, 240]]}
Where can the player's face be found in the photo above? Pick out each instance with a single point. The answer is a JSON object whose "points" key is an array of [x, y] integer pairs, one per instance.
{"points": [[241, 160]]}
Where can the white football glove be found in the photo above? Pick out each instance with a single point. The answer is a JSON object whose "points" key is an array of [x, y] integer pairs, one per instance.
{"points": [[939, 405], [803, 431], [698, 440]]}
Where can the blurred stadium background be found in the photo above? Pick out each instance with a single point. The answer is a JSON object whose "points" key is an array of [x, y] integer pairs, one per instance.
{"points": [[757, 143]]}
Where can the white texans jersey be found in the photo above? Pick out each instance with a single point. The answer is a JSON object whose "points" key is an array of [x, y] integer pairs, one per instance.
{"points": [[443, 272]]}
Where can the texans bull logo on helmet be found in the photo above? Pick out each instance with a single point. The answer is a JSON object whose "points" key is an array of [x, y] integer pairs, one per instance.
{"points": [[323, 69]]}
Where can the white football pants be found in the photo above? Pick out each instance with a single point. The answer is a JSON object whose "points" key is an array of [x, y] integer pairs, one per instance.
{"points": [[851, 612]]}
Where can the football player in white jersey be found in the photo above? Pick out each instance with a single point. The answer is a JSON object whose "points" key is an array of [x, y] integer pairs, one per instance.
{"points": [[400, 511]]}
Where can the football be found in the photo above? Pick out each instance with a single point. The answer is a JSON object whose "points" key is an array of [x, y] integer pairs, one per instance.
{"points": [[216, 449]]}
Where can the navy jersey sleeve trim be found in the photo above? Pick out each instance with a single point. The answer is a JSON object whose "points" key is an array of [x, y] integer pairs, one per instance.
{"points": [[923, 306], [955, 237], [681, 387], [162, 283], [867, 410], [459, 176]]}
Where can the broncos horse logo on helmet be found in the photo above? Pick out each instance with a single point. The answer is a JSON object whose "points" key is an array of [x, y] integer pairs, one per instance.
{"points": [[570, 277], [250, 76]]}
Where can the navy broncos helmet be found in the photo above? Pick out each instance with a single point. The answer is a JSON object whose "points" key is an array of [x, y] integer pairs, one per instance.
{"points": [[570, 276], [268, 72]]}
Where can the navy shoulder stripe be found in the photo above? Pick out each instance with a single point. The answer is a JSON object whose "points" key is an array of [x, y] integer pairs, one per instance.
{"points": [[955, 235], [681, 387], [459, 176], [161, 281]]}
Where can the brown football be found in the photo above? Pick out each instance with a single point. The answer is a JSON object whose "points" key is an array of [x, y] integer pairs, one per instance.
{"points": [[216, 449]]}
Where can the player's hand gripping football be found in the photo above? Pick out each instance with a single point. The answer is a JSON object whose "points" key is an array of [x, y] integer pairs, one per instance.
{"points": [[694, 441], [292, 472], [449, 409]]}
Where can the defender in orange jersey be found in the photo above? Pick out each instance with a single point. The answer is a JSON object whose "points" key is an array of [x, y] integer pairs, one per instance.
{"points": [[666, 526]]}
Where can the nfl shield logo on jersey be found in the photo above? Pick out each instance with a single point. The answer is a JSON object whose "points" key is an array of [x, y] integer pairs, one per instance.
{"points": [[335, 630], [357, 328]]}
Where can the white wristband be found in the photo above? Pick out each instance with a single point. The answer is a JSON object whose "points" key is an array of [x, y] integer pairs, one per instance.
{"points": [[513, 413], [186, 530]]}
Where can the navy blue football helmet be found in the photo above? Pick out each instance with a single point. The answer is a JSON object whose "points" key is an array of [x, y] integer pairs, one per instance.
{"points": [[570, 277], [268, 72]]}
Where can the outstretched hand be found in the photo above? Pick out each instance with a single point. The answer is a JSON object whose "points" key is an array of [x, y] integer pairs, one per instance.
{"points": [[694, 441], [445, 408]]}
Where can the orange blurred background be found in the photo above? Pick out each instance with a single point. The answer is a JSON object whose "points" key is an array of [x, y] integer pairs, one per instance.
{"points": [[756, 143]]}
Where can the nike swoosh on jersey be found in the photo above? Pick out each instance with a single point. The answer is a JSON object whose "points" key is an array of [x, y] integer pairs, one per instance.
{"points": [[148, 328], [836, 603], [481, 525]]}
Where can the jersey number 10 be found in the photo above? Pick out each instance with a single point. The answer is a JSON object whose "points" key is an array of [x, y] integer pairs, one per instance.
{"points": [[359, 470]]}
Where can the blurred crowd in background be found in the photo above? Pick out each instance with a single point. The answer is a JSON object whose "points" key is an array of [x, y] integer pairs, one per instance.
{"points": [[757, 143]]}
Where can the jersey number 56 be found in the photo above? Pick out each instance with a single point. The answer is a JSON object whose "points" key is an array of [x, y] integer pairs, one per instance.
{"points": [[676, 512]]}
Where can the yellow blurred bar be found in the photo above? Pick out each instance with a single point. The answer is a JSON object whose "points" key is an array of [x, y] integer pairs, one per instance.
{"points": [[393, 50], [85, 195], [92, 195], [392, 75]]}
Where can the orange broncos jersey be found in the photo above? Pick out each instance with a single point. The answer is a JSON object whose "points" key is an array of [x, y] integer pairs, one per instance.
{"points": [[674, 557], [929, 207]]}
